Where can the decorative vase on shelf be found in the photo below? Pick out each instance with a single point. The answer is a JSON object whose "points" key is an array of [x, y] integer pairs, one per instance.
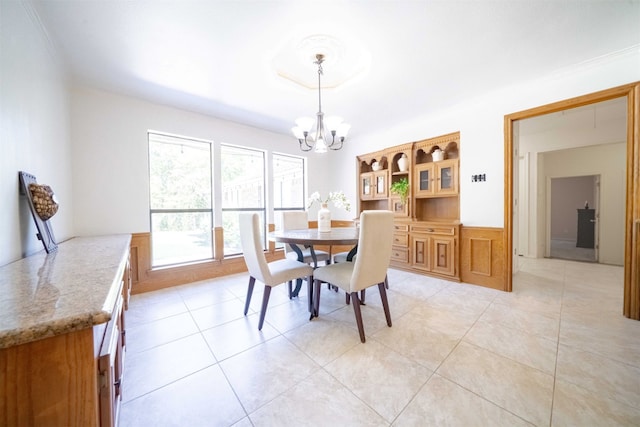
{"points": [[324, 219], [437, 155], [403, 163]]}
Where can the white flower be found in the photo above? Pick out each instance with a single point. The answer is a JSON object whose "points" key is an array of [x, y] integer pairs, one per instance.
{"points": [[338, 198]]}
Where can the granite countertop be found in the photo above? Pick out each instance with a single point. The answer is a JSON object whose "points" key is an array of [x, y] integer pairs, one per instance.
{"points": [[73, 288]]}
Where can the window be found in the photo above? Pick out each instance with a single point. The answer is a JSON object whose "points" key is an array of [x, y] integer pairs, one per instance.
{"points": [[288, 186], [180, 199], [243, 190], [288, 182], [183, 191]]}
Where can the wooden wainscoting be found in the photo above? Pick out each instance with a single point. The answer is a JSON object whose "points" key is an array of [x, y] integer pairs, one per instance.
{"points": [[146, 279], [482, 256]]}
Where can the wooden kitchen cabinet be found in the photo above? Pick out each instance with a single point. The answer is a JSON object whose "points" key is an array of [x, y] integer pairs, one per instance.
{"points": [[381, 185], [374, 185], [427, 228], [436, 179], [366, 186], [400, 249], [442, 255], [425, 180], [111, 367], [63, 364], [421, 252], [446, 173], [434, 248]]}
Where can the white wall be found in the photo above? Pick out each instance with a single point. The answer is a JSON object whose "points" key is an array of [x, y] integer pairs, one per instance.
{"points": [[481, 125], [34, 129], [558, 132], [568, 194], [608, 161], [110, 155]]}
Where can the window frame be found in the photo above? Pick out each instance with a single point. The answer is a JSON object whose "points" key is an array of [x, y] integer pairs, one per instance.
{"points": [[152, 211]]}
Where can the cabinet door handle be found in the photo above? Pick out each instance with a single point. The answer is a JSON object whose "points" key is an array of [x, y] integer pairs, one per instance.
{"points": [[430, 230]]}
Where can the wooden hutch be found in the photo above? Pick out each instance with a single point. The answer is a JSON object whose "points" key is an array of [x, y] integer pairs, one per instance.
{"points": [[427, 226]]}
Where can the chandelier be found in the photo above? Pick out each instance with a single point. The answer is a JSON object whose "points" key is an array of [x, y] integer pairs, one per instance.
{"points": [[318, 142]]}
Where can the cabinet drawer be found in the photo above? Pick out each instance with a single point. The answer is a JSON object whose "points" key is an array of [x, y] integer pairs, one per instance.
{"points": [[401, 227], [400, 239], [111, 367], [399, 254], [434, 229]]}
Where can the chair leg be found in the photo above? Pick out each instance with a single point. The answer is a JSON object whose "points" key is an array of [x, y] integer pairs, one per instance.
{"points": [[310, 293], [316, 298], [252, 281], [265, 301], [358, 313], [385, 303], [298, 286], [290, 285], [347, 297], [386, 281]]}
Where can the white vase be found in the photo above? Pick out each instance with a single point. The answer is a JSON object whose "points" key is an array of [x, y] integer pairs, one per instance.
{"points": [[324, 219], [403, 163], [437, 155]]}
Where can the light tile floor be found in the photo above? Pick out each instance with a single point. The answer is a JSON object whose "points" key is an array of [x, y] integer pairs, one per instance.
{"points": [[554, 352]]}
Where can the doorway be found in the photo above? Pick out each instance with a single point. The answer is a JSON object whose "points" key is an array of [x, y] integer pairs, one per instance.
{"points": [[631, 223], [573, 212]]}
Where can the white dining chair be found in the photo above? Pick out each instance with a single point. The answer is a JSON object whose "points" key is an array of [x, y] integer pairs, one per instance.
{"points": [[368, 269], [271, 274], [341, 257], [298, 220]]}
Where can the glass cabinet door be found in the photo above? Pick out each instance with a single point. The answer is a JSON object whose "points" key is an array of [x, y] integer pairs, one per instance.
{"points": [[381, 189], [424, 179], [365, 187], [447, 177]]}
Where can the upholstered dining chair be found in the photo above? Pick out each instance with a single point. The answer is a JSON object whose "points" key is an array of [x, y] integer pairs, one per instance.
{"points": [[344, 256], [298, 220], [271, 274], [368, 269], [349, 257]]}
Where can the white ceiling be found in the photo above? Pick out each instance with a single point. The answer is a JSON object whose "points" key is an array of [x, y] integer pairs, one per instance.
{"points": [[217, 57]]}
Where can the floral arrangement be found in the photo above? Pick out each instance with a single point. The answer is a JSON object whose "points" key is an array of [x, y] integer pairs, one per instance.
{"points": [[338, 198]]}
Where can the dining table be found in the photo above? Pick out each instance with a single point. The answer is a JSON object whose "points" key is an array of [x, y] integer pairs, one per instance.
{"points": [[310, 237]]}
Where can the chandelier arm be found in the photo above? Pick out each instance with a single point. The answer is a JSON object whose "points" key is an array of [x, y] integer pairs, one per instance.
{"points": [[304, 146], [335, 146], [333, 137]]}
